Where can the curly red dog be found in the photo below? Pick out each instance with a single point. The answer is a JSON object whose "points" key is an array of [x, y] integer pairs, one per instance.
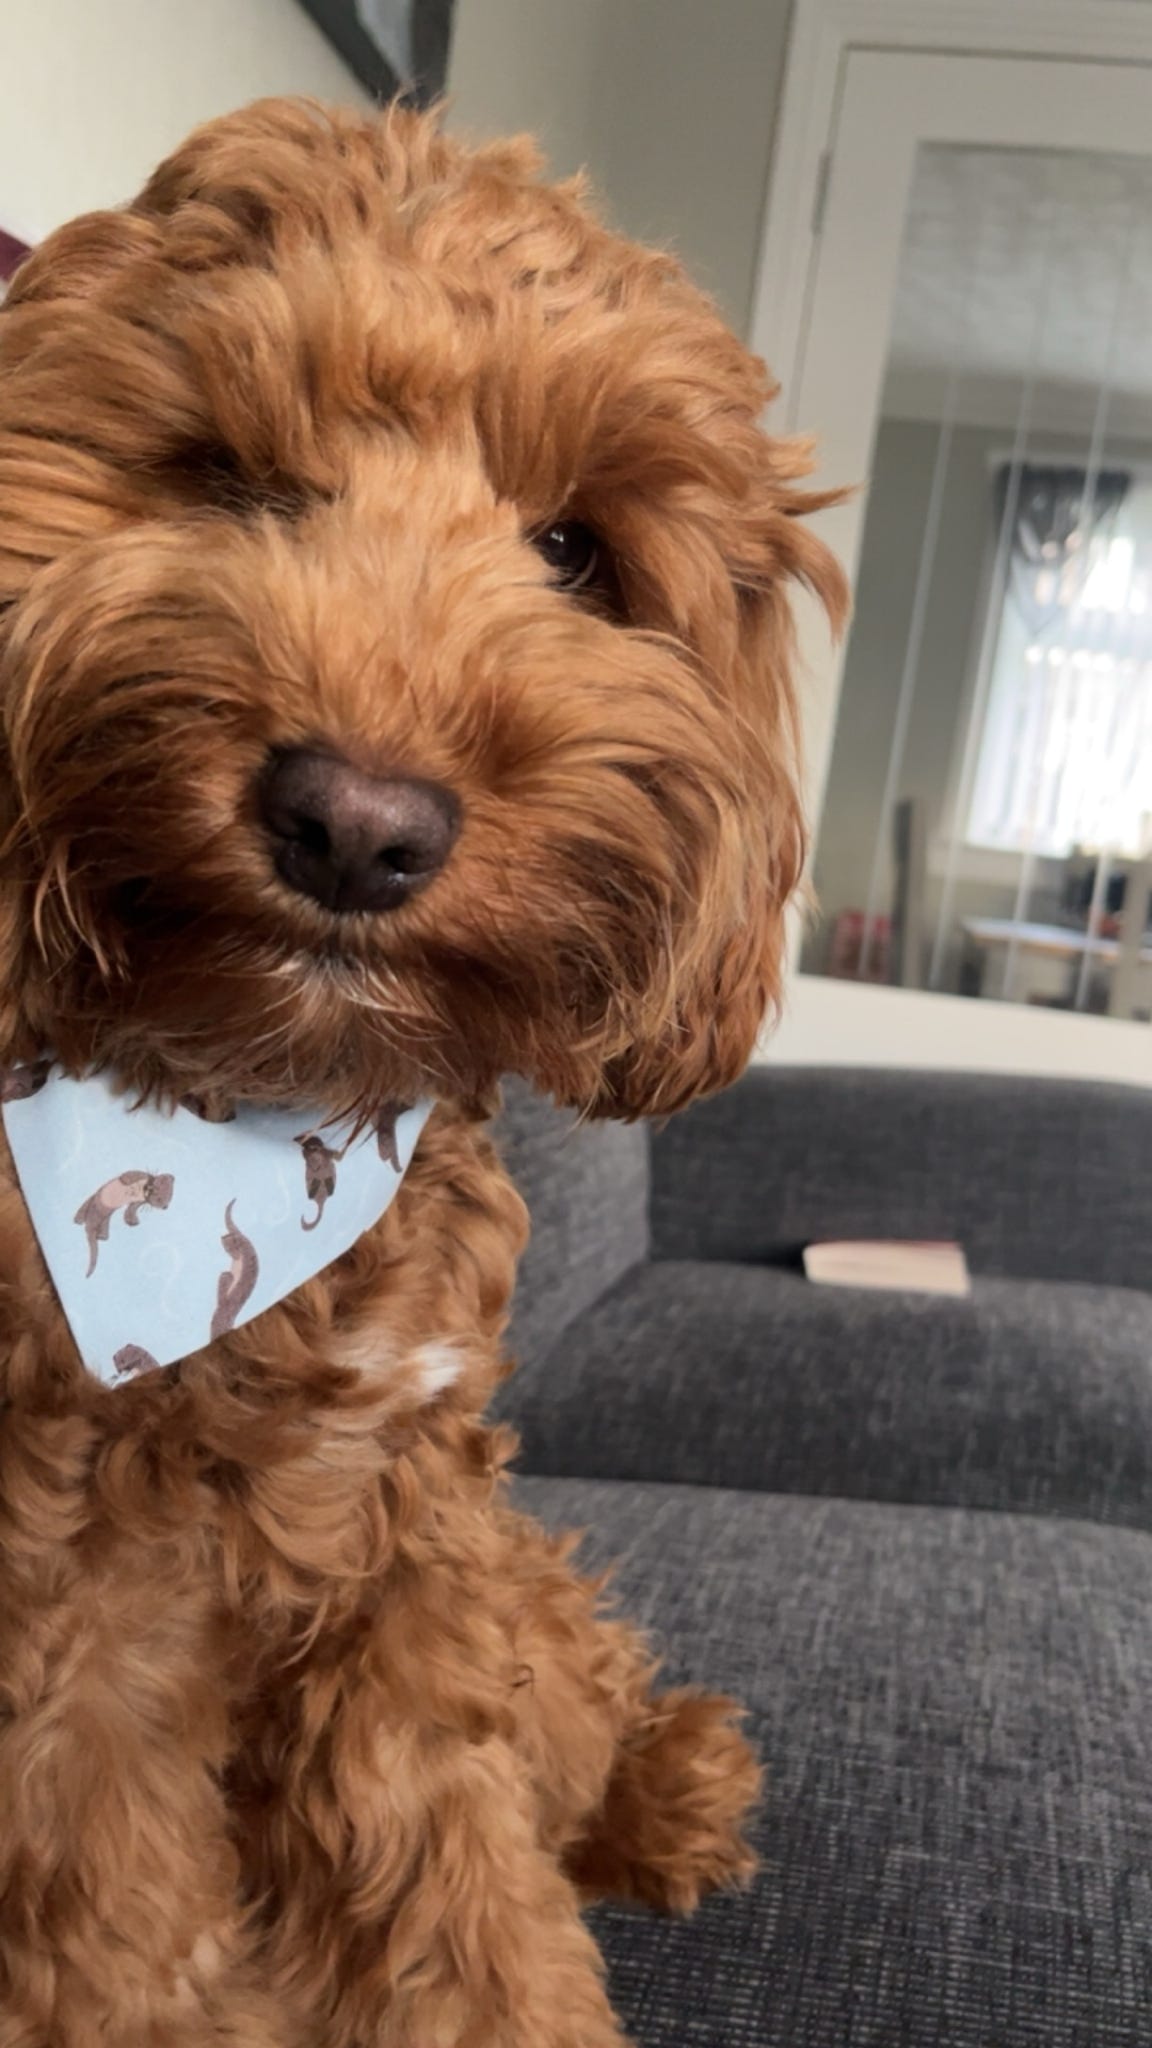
{"points": [[394, 674]]}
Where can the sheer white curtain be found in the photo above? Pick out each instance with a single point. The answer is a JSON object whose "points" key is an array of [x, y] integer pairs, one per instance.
{"points": [[1065, 754]]}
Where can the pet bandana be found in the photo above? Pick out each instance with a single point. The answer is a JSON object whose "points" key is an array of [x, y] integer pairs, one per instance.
{"points": [[161, 1231]]}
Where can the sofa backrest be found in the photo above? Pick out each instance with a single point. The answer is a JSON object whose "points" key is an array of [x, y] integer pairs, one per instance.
{"points": [[1037, 1178], [586, 1187]]}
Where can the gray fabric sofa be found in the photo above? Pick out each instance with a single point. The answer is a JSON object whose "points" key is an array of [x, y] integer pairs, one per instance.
{"points": [[913, 1535]]}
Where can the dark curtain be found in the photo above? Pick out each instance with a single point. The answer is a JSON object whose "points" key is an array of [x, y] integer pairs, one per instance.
{"points": [[1055, 517]]}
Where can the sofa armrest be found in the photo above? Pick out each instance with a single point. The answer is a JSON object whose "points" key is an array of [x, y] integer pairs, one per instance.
{"points": [[1037, 1178]]}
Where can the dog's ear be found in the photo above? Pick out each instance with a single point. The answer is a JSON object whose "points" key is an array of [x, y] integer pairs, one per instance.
{"points": [[728, 962], [59, 489], [725, 978], [706, 1041], [66, 452]]}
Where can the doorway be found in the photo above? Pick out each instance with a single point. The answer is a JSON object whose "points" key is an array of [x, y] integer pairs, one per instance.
{"points": [[975, 342]]}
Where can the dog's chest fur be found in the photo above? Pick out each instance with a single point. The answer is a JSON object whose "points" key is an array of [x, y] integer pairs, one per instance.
{"points": [[270, 1454]]}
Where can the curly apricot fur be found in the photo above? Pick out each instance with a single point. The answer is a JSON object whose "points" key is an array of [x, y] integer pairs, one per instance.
{"points": [[305, 1737]]}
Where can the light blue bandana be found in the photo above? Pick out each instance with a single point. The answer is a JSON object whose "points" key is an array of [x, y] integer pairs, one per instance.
{"points": [[162, 1231]]}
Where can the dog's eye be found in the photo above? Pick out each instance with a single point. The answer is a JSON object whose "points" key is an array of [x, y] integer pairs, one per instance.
{"points": [[211, 475], [572, 551]]}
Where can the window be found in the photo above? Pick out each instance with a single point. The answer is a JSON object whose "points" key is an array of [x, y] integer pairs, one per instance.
{"points": [[1065, 753]]}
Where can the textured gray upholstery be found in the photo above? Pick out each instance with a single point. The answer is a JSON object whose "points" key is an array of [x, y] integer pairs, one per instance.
{"points": [[586, 1187], [955, 1704], [954, 1710], [1031, 1395], [1042, 1179]]}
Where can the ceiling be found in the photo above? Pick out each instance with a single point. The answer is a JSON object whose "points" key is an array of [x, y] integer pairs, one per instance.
{"points": [[1026, 275]]}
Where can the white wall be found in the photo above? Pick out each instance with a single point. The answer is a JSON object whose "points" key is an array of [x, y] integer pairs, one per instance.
{"points": [[529, 66], [849, 1023], [687, 110], [670, 104], [95, 92]]}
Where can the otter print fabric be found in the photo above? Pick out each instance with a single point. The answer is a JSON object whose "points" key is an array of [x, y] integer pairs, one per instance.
{"points": [[161, 1231]]}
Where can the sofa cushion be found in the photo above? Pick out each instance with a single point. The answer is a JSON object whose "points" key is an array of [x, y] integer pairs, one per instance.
{"points": [[1029, 1395], [954, 1711], [586, 1187]]}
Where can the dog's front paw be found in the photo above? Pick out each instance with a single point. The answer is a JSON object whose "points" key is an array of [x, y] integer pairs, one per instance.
{"points": [[671, 1824]]}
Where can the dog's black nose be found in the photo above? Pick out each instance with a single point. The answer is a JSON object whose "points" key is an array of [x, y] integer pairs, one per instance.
{"points": [[353, 841]]}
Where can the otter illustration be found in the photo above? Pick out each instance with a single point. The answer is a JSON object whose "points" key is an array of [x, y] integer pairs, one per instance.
{"points": [[134, 1358], [387, 1119], [320, 1163], [129, 1192], [234, 1286], [18, 1083]]}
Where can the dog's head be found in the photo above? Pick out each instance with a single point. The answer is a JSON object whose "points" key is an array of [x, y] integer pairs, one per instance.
{"points": [[394, 636]]}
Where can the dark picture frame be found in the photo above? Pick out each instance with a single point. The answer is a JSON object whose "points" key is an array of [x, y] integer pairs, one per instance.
{"points": [[394, 47]]}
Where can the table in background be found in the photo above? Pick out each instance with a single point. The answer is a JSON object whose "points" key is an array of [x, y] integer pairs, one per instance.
{"points": [[1048, 960]]}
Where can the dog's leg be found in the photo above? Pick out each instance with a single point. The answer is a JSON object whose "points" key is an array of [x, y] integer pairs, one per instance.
{"points": [[119, 1922], [389, 1822], [671, 1823], [646, 1793], [413, 1905], [490, 1951]]}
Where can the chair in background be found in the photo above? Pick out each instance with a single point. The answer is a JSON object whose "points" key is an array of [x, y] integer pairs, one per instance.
{"points": [[910, 865], [1131, 992]]}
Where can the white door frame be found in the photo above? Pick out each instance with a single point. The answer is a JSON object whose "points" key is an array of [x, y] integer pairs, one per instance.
{"points": [[822, 32], [922, 95], [834, 1021]]}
